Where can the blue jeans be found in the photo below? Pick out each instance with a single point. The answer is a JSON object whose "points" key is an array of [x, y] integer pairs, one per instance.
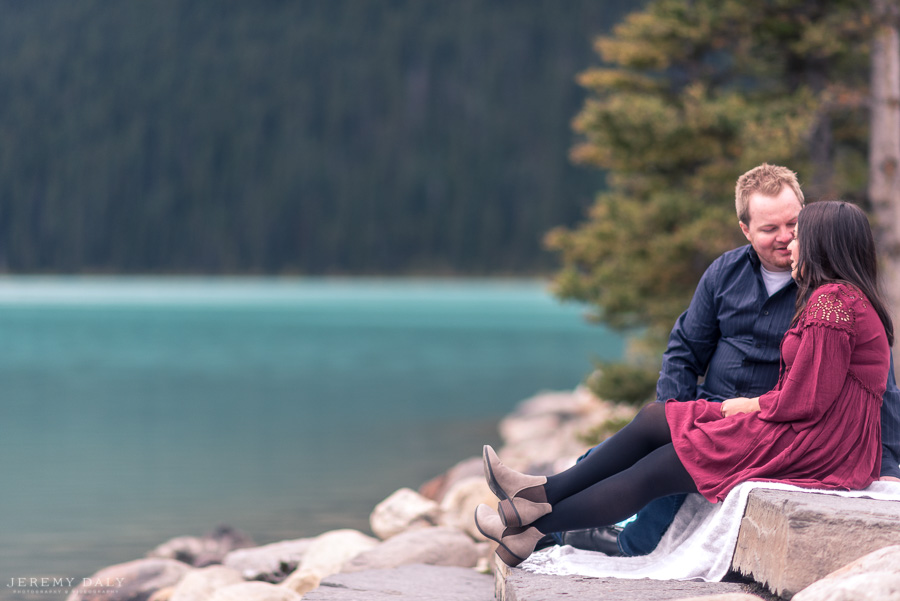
{"points": [[643, 534]]}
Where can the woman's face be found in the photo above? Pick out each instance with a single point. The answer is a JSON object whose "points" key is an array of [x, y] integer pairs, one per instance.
{"points": [[794, 247]]}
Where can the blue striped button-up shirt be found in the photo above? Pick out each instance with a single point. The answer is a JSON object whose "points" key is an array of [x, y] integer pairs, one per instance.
{"points": [[727, 344]]}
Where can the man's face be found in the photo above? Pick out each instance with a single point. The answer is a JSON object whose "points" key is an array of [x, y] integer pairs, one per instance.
{"points": [[771, 227]]}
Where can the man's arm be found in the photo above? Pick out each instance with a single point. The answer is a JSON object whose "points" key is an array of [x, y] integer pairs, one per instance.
{"points": [[890, 428], [691, 344]]}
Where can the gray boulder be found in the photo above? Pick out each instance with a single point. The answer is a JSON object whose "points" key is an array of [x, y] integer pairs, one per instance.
{"points": [[873, 577], [726, 597], [205, 550], [132, 581], [404, 510], [438, 486], [269, 563], [438, 546], [459, 503], [326, 555], [200, 584]]}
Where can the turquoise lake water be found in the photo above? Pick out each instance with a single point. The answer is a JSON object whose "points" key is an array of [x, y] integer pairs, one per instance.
{"points": [[135, 410]]}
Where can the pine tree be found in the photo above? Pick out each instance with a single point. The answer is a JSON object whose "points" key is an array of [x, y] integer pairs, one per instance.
{"points": [[691, 95]]}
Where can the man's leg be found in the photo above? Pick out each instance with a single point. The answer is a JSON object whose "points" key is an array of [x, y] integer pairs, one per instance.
{"points": [[604, 539], [642, 535], [639, 537]]}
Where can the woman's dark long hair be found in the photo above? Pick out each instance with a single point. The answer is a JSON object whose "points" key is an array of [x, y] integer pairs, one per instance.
{"points": [[836, 245]]}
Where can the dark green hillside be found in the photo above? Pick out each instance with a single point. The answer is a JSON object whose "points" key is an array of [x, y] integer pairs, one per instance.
{"points": [[315, 136]]}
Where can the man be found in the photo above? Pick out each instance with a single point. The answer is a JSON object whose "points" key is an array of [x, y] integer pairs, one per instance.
{"points": [[730, 338]]}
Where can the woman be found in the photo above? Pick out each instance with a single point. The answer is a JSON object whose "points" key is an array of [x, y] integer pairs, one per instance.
{"points": [[819, 428]]}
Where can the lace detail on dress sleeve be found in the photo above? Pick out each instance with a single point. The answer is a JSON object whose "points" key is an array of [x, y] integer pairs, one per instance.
{"points": [[828, 307], [832, 308]]}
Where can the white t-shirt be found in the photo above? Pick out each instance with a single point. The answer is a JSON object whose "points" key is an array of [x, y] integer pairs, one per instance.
{"points": [[774, 280]]}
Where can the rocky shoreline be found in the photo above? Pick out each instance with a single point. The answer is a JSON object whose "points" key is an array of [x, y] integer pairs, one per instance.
{"points": [[432, 526], [426, 547]]}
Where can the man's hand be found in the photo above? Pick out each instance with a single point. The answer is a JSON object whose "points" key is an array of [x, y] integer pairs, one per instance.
{"points": [[740, 404], [889, 479]]}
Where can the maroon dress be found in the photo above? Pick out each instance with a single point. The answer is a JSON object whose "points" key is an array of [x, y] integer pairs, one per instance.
{"points": [[821, 425]]}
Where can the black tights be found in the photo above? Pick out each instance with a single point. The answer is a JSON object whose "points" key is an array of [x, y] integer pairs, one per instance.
{"points": [[635, 466]]}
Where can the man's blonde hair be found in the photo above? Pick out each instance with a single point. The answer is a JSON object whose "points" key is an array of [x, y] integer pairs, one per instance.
{"points": [[767, 180]]}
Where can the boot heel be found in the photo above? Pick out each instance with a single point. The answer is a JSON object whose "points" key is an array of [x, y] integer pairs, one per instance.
{"points": [[507, 557], [508, 514]]}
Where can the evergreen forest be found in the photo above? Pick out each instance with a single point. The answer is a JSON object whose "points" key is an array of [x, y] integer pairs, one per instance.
{"points": [[305, 137]]}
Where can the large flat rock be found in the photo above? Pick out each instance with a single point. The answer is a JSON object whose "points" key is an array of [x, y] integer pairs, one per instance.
{"points": [[514, 584], [416, 582], [788, 540]]}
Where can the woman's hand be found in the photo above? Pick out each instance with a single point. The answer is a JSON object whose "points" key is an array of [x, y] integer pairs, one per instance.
{"points": [[740, 404]]}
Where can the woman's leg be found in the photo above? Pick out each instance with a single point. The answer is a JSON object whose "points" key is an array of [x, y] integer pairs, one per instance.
{"points": [[647, 432], [617, 479], [613, 499], [621, 495]]}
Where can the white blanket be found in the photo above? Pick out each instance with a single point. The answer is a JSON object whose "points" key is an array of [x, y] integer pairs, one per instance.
{"points": [[698, 545]]}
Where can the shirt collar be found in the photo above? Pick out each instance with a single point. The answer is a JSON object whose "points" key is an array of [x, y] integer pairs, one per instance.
{"points": [[757, 264], [753, 257]]}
